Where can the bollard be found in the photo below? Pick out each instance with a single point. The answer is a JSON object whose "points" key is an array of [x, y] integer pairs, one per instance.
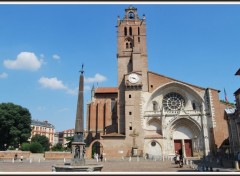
{"points": [[122, 158], [236, 165], [64, 160], [30, 160], [13, 160], [105, 159], [137, 158], [39, 160], [130, 159]]}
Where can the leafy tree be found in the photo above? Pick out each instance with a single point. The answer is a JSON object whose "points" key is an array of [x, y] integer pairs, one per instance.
{"points": [[36, 147], [25, 146], [57, 147], [228, 103], [15, 126], [43, 140], [69, 142]]}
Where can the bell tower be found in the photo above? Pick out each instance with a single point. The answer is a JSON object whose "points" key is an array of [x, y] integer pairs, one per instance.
{"points": [[131, 46], [131, 58]]}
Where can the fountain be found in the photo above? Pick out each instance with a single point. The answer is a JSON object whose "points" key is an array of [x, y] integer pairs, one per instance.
{"points": [[77, 163]]}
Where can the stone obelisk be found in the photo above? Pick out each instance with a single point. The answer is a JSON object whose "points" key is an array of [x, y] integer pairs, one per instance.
{"points": [[78, 145]]}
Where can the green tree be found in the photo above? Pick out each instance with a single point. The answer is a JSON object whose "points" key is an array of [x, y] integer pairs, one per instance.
{"points": [[25, 146], [36, 147], [69, 142], [15, 125], [43, 140], [57, 147]]}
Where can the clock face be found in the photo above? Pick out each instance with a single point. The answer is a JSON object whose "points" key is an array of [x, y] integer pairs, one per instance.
{"points": [[133, 78]]}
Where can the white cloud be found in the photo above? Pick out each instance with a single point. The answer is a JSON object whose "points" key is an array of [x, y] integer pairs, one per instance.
{"points": [[56, 57], [97, 78], [3, 75], [24, 61], [54, 83]]}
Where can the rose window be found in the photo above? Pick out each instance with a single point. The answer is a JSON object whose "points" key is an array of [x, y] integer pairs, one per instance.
{"points": [[173, 101]]}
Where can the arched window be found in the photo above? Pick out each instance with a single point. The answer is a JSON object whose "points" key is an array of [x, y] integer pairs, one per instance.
{"points": [[138, 30], [126, 45], [130, 31], [131, 45], [125, 31], [194, 106], [155, 106]]}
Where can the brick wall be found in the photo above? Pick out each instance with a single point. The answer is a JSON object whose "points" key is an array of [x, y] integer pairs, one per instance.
{"points": [[57, 155], [10, 154]]}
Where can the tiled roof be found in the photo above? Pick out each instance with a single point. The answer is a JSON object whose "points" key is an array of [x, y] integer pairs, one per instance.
{"points": [[106, 90], [237, 92], [238, 72], [42, 123]]}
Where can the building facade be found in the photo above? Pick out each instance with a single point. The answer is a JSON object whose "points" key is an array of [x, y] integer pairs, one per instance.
{"points": [[232, 115], [149, 114], [43, 128]]}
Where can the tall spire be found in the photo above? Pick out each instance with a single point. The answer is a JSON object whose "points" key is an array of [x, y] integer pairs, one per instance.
{"points": [[80, 116]]}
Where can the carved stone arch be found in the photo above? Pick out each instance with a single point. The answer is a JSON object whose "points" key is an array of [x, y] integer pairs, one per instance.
{"points": [[153, 149], [153, 121], [188, 123], [159, 91], [96, 147]]}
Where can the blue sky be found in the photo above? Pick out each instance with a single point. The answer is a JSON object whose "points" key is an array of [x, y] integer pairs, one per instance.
{"points": [[42, 48]]}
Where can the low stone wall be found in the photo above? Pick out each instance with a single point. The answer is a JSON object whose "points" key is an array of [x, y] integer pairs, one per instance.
{"points": [[9, 154], [57, 155]]}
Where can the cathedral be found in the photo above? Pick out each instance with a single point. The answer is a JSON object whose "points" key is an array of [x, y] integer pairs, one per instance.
{"points": [[148, 114]]}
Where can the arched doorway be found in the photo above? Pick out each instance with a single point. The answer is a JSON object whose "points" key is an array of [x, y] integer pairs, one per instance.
{"points": [[185, 133], [97, 148], [153, 150]]}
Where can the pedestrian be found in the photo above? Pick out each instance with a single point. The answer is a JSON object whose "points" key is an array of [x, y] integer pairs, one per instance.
{"points": [[101, 157], [177, 159], [238, 157], [15, 157], [97, 157]]}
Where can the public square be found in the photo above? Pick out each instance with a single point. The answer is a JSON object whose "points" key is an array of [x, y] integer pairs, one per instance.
{"points": [[115, 166]]}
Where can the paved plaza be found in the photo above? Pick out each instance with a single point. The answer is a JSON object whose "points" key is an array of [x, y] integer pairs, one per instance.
{"points": [[114, 165]]}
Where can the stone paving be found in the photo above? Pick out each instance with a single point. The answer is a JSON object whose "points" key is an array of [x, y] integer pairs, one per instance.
{"points": [[116, 165]]}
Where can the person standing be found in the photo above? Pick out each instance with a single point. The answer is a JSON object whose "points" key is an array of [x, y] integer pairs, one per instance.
{"points": [[238, 157]]}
